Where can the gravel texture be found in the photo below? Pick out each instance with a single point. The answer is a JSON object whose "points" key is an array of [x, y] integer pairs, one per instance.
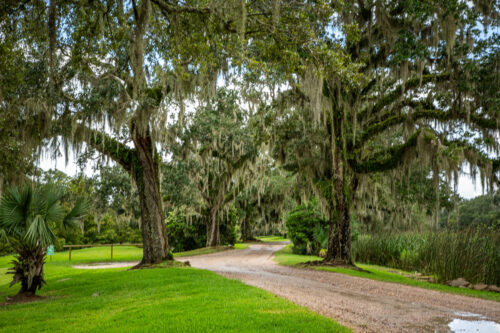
{"points": [[362, 304]]}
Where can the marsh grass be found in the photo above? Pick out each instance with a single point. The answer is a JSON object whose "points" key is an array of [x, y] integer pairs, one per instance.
{"points": [[473, 254]]}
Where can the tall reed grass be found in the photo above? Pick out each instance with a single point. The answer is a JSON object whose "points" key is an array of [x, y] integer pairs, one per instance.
{"points": [[473, 254]]}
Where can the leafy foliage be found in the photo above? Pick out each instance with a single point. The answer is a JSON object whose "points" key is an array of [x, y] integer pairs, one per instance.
{"points": [[303, 223], [483, 211]]}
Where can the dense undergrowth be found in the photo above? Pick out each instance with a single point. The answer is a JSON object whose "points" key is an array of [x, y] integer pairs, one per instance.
{"points": [[473, 254]]}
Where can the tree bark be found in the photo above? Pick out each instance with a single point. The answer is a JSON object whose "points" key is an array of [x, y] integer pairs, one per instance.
{"points": [[146, 176], [339, 237], [213, 238], [28, 269]]}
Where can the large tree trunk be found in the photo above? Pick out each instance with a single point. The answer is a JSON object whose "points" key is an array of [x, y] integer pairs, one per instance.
{"points": [[339, 238], [213, 238], [146, 174]]}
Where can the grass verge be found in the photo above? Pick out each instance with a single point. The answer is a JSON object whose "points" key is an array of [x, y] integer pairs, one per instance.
{"points": [[272, 238], [179, 299], [287, 258]]}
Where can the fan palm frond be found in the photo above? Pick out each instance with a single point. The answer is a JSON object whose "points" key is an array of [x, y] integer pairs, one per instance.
{"points": [[80, 209]]}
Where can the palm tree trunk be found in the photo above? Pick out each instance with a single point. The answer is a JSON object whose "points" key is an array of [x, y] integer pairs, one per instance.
{"points": [[28, 269]]}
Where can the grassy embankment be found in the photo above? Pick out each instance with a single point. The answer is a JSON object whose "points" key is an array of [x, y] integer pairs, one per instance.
{"points": [[179, 299], [287, 258]]}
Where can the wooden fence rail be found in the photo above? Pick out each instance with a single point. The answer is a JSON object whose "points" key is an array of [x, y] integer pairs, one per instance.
{"points": [[69, 247]]}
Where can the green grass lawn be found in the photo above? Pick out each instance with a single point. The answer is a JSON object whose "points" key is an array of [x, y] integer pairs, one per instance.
{"points": [[272, 238], [287, 258], [180, 299]]}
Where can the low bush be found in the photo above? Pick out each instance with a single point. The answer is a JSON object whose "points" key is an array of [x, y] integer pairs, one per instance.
{"points": [[306, 228]]}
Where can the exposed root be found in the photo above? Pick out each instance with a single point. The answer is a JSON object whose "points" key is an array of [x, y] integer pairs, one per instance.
{"points": [[164, 264]]}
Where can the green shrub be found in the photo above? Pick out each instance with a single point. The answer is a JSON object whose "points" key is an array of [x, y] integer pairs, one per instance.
{"points": [[184, 235], [107, 237], [59, 244], [303, 222]]}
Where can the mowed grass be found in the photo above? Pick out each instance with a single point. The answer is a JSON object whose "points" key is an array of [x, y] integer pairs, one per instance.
{"points": [[272, 238], [180, 299], [287, 258]]}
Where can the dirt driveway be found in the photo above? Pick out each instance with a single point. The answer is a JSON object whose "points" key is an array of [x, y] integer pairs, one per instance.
{"points": [[362, 304]]}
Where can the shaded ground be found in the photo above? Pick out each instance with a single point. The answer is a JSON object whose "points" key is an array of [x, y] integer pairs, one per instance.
{"points": [[363, 304]]}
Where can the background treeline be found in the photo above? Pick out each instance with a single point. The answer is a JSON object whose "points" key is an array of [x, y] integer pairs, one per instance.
{"points": [[464, 243]]}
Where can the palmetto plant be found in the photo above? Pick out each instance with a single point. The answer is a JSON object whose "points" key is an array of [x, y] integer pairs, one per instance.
{"points": [[28, 215]]}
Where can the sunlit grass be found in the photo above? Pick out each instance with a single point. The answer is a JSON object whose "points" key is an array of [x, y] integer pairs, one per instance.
{"points": [[167, 300], [272, 238]]}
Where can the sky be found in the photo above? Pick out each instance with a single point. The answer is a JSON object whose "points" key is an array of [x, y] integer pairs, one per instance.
{"points": [[466, 187]]}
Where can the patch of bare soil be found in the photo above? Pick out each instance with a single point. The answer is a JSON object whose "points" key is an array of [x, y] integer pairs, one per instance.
{"points": [[22, 298], [362, 304]]}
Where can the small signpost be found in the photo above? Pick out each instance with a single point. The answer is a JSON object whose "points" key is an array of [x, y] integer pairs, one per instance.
{"points": [[50, 251]]}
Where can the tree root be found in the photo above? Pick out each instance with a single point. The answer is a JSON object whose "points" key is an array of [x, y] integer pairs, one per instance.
{"points": [[164, 264]]}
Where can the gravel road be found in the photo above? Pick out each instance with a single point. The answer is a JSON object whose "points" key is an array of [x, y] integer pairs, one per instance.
{"points": [[362, 304]]}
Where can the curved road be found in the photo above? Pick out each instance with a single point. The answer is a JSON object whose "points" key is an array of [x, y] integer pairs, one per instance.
{"points": [[362, 304]]}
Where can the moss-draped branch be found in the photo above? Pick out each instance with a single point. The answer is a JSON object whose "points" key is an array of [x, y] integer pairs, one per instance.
{"points": [[390, 158], [377, 127], [108, 146], [398, 92]]}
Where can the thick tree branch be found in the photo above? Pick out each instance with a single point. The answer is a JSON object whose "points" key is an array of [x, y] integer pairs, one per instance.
{"points": [[108, 146], [387, 159], [377, 127], [398, 91]]}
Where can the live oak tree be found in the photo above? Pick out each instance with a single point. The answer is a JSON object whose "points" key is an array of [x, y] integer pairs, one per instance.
{"points": [[423, 89], [221, 144], [108, 73], [111, 71]]}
